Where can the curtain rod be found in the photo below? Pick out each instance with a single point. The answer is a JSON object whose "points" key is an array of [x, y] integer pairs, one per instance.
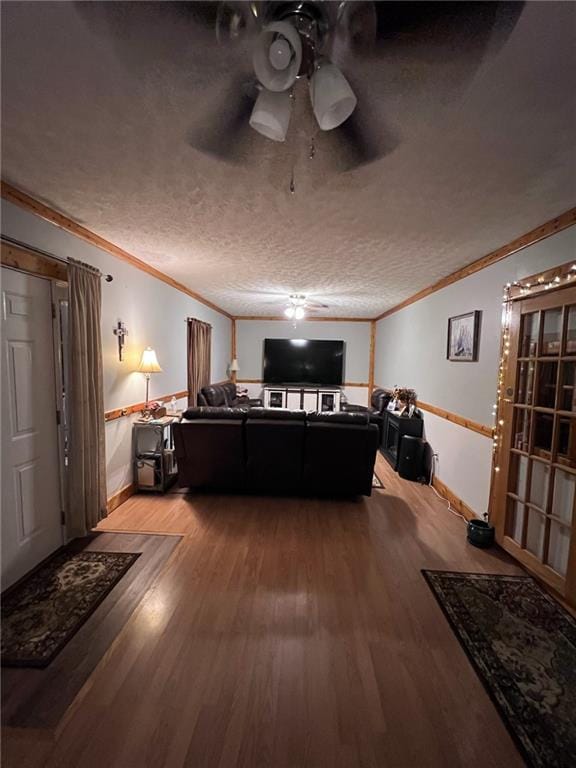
{"points": [[19, 244]]}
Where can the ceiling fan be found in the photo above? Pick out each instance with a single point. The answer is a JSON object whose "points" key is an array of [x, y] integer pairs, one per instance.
{"points": [[298, 306], [323, 42], [381, 59]]}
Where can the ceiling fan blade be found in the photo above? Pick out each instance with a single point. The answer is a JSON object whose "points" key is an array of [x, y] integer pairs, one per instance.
{"points": [[236, 20], [359, 141], [356, 26], [225, 134], [422, 45], [438, 23]]}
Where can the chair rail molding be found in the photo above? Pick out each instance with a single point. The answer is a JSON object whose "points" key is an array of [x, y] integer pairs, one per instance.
{"points": [[454, 418]]}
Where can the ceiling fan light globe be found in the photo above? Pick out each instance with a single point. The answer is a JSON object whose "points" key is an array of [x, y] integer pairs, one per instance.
{"points": [[289, 312], [280, 33], [280, 53], [299, 313], [271, 114], [333, 100]]}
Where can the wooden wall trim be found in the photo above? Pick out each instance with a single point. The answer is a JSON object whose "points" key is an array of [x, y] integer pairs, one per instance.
{"points": [[455, 501], [461, 421], [31, 261], [474, 426], [551, 227], [233, 374], [371, 358], [128, 410], [120, 497], [21, 199], [306, 319]]}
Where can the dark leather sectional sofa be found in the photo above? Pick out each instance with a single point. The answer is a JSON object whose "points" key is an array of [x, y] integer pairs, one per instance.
{"points": [[378, 402], [262, 450], [225, 396]]}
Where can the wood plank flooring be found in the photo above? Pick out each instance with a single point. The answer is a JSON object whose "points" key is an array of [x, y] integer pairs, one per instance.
{"points": [[38, 698], [289, 633]]}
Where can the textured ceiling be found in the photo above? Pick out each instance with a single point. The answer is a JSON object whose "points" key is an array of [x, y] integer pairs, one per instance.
{"points": [[100, 113]]}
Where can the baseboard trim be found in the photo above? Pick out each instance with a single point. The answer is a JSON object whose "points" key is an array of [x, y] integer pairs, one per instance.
{"points": [[119, 498], [455, 501]]}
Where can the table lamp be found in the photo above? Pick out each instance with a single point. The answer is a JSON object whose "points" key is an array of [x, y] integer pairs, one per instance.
{"points": [[149, 364]]}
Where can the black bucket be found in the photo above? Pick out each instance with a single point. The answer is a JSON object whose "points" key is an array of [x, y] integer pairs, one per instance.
{"points": [[480, 533]]}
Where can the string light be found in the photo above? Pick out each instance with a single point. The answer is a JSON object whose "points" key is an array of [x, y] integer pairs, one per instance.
{"points": [[511, 291]]}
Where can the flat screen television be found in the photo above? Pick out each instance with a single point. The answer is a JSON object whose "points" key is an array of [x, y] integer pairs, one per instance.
{"points": [[311, 362]]}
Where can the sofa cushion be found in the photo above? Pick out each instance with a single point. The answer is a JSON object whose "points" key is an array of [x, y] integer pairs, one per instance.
{"points": [[340, 417], [380, 399], [339, 456], [275, 452], [213, 395], [276, 414], [210, 451], [209, 412]]}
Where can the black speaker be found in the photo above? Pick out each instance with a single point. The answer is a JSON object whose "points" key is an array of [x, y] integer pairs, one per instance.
{"points": [[411, 458]]}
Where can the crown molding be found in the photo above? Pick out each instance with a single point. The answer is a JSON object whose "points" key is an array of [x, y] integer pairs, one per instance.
{"points": [[551, 227], [306, 319], [30, 204]]}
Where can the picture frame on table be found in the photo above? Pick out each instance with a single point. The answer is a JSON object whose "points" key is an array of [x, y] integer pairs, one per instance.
{"points": [[463, 337]]}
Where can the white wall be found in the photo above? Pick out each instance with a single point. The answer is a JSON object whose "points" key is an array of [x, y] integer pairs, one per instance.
{"points": [[250, 335], [154, 314], [411, 351]]}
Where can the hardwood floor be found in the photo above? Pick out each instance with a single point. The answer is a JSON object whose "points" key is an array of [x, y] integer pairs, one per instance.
{"points": [[287, 633], [38, 698]]}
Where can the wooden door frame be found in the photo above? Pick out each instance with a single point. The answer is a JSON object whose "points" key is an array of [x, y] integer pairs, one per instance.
{"points": [[535, 286]]}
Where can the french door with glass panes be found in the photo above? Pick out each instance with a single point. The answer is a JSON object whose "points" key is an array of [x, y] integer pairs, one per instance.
{"points": [[535, 487]]}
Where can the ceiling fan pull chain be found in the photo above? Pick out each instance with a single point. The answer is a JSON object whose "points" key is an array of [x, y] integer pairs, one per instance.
{"points": [[312, 149], [292, 185]]}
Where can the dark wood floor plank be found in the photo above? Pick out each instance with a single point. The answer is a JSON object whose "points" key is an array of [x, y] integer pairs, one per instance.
{"points": [[38, 698]]}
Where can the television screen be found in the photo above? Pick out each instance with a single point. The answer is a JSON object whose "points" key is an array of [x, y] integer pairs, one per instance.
{"points": [[303, 361]]}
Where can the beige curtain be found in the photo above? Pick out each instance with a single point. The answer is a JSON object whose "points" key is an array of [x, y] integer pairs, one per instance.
{"points": [[87, 460], [199, 343]]}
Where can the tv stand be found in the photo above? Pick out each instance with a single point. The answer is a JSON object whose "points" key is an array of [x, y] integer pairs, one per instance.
{"points": [[302, 397]]}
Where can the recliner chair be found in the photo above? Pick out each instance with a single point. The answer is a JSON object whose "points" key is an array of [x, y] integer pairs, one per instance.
{"points": [[378, 403], [225, 396]]}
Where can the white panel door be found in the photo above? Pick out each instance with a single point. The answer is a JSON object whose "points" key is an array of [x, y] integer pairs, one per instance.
{"points": [[31, 527]]}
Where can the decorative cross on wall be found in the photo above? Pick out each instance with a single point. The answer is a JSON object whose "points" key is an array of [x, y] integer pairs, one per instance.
{"points": [[121, 331]]}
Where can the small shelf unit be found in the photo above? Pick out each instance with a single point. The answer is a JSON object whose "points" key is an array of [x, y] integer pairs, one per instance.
{"points": [[302, 398]]}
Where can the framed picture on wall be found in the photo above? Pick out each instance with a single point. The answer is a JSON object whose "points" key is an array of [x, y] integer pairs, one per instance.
{"points": [[463, 336]]}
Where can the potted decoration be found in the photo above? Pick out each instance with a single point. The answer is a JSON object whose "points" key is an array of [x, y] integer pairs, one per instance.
{"points": [[406, 401], [480, 533]]}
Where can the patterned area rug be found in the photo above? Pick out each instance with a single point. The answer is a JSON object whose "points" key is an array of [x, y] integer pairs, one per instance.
{"points": [[42, 612], [522, 644]]}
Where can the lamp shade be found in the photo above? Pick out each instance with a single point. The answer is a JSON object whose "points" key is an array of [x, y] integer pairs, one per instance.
{"points": [[271, 114], [333, 101], [234, 365], [277, 56], [149, 362]]}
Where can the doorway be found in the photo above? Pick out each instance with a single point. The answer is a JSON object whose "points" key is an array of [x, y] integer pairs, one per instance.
{"points": [[32, 507], [535, 487]]}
